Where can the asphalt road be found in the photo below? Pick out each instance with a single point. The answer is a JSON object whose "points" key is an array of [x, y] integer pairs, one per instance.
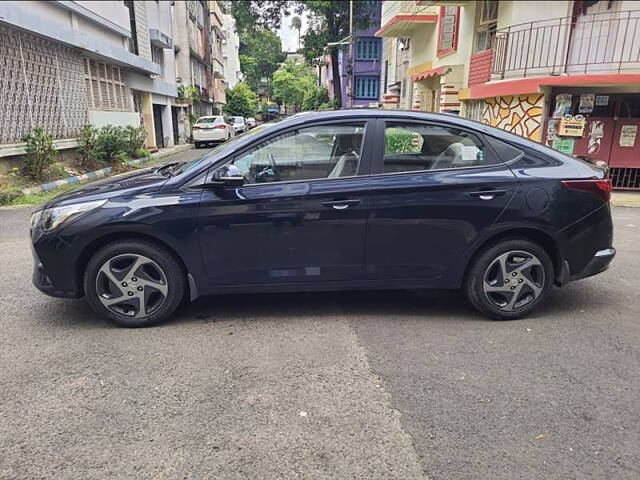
{"points": [[371, 385]]}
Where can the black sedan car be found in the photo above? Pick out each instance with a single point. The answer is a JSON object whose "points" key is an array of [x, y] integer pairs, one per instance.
{"points": [[352, 199]]}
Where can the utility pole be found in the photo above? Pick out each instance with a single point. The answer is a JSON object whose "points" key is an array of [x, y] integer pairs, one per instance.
{"points": [[350, 78]]}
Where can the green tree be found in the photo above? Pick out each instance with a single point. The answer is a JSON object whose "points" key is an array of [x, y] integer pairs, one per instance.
{"points": [[316, 98], [291, 82], [297, 24], [241, 100], [251, 15], [260, 55]]}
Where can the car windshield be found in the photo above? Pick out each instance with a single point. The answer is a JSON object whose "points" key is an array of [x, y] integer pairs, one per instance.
{"points": [[185, 167], [207, 120], [237, 119]]}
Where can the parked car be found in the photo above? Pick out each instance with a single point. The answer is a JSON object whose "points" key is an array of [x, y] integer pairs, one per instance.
{"points": [[337, 200], [251, 122], [238, 124], [210, 129]]}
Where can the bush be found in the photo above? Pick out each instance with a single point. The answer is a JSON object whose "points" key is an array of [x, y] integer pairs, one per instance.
{"points": [[40, 153], [88, 148], [111, 144], [135, 140], [402, 141], [142, 153], [57, 170]]}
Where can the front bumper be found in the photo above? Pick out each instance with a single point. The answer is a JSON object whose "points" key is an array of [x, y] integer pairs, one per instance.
{"points": [[42, 281]]}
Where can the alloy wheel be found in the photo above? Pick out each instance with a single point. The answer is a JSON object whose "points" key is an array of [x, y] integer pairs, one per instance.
{"points": [[131, 285], [514, 280]]}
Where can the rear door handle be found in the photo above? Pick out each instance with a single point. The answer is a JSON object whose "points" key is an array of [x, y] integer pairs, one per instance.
{"points": [[341, 204], [487, 194]]}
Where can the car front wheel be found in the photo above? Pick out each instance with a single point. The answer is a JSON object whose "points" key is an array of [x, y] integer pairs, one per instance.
{"points": [[509, 279], [134, 283]]}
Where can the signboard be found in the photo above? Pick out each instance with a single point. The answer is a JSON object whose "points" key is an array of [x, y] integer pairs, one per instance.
{"points": [[602, 100], [563, 105], [552, 131], [628, 135], [564, 145], [587, 100], [571, 126]]}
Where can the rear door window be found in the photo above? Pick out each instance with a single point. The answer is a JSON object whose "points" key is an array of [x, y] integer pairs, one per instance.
{"points": [[420, 146]]}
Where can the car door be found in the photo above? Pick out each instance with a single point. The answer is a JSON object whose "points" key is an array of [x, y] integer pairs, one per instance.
{"points": [[435, 188], [295, 219]]}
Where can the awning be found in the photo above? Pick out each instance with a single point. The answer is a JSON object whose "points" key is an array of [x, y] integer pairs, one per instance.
{"points": [[430, 73], [401, 25]]}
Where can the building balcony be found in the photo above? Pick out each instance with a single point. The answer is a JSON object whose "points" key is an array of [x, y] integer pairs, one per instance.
{"points": [[601, 43]]}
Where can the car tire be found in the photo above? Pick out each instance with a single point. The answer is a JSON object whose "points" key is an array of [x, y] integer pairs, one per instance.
{"points": [[157, 280], [509, 279], [197, 144]]}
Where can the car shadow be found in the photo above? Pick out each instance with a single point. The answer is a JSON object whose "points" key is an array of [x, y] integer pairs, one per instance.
{"points": [[391, 305]]}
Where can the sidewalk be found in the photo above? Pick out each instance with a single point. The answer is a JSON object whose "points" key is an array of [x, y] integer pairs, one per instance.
{"points": [[105, 172], [625, 199]]}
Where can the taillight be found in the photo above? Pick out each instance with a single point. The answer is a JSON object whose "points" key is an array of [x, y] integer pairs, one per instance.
{"points": [[196, 127], [219, 126], [601, 187]]}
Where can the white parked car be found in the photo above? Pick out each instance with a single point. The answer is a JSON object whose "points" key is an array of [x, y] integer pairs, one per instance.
{"points": [[211, 129], [251, 122], [238, 124]]}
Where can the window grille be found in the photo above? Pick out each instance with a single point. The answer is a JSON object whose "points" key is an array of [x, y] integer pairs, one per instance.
{"points": [[367, 87], [368, 49], [105, 87]]}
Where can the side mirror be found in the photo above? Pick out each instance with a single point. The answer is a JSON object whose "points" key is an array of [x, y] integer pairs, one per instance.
{"points": [[227, 176]]}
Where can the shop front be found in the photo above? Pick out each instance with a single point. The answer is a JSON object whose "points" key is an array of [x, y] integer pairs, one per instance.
{"points": [[597, 125]]}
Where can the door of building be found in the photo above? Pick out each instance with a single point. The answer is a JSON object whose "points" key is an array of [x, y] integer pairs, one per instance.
{"points": [[157, 125], [174, 122]]}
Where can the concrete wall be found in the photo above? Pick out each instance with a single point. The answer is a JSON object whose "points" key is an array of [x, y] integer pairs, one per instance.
{"points": [[102, 118], [115, 12]]}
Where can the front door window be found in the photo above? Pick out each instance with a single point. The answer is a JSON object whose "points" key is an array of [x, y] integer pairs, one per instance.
{"points": [[327, 151]]}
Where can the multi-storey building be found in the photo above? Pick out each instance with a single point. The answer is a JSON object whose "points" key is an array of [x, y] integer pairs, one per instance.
{"points": [[192, 27], [153, 95], [567, 74], [65, 64], [217, 57], [231, 51]]}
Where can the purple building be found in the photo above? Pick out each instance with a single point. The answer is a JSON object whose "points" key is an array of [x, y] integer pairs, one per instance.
{"points": [[360, 74]]}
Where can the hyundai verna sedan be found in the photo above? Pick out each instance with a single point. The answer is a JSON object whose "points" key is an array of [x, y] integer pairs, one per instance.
{"points": [[353, 199]]}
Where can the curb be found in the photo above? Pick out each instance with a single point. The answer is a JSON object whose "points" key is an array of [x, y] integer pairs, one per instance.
{"points": [[103, 172]]}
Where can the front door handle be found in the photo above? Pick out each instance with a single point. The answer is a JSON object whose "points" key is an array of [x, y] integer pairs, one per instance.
{"points": [[488, 194], [341, 204]]}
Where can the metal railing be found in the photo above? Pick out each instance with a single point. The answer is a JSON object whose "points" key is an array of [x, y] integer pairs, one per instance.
{"points": [[606, 42]]}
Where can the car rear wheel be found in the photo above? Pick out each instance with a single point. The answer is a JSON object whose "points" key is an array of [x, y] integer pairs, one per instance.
{"points": [[134, 283], [509, 279]]}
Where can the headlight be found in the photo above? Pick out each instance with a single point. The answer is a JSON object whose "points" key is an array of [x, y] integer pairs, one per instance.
{"points": [[51, 218]]}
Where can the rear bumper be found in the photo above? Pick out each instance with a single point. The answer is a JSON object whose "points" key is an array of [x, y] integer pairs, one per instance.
{"points": [[211, 135], [599, 263]]}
